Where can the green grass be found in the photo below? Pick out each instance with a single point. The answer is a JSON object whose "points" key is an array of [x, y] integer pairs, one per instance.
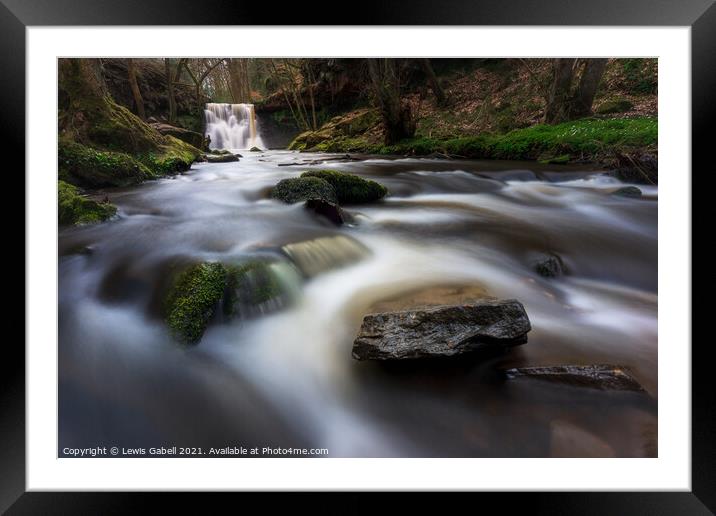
{"points": [[587, 138]]}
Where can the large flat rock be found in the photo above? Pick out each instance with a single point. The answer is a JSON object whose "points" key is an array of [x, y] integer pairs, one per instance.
{"points": [[443, 331]]}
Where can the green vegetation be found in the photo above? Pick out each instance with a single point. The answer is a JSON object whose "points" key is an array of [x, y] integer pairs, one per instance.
{"points": [[299, 189], [89, 167], [193, 299], [580, 139], [248, 285], [74, 208], [639, 75], [349, 188]]}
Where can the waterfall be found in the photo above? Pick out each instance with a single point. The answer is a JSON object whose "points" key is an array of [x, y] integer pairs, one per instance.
{"points": [[232, 126]]}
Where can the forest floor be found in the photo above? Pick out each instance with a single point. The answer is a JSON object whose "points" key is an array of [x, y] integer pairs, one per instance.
{"points": [[495, 112]]}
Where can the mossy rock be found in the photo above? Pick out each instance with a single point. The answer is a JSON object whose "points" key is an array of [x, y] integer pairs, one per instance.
{"points": [[252, 288], [88, 167], [117, 128], [350, 189], [173, 157], [221, 158], [74, 208], [300, 189], [255, 149], [628, 191], [299, 143], [614, 106], [193, 300]]}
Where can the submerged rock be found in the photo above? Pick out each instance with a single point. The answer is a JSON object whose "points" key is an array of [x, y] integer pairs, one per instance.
{"points": [[627, 191], [441, 332], [349, 188], [600, 376], [255, 287], [221, 158], [326, 253], [300, 189], [549, 265], [327, 209], [192, 301]]}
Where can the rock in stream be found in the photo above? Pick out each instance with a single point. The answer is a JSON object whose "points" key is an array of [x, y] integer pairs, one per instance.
{"points": [[444, 331], [604, 377]]}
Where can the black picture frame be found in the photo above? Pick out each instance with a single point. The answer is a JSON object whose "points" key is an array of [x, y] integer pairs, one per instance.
{"points": [[700, 15]]}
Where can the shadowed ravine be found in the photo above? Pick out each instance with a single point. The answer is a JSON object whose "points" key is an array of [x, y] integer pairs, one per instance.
{"points": [[287, 378]]}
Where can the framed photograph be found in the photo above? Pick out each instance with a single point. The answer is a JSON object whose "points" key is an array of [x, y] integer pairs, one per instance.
{"points": [[409, 251]]}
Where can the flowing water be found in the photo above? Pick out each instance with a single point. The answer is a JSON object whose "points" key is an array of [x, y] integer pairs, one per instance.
{"points": [[449, 230], [232, 126]]}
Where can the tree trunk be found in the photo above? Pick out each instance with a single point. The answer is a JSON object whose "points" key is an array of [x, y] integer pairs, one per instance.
{"points": [[238, 81], [398, 121], [587, 88], [433, 82], [170, 90], [558, 105], [132, 76]]}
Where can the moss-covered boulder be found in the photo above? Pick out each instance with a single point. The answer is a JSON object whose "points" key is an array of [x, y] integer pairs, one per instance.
{"points": [[350, 189], [74, 208], [172, 157], [255, 149], [619, 105], [193, 300], [342, 133], [253, 288], [103, 143], [300, 189], [92, 168]]}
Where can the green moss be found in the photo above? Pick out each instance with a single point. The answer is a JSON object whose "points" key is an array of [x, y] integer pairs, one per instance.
{"points": [[73, 208], [249, 285], [585, 139], [88, 167], [350, 189], [193, 299], [173, 157], [614, 106], [300, 189], [255, 149], [116, 128]]}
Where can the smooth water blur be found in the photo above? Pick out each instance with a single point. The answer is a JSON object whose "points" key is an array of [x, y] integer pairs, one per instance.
{"points": [[287, 378]]}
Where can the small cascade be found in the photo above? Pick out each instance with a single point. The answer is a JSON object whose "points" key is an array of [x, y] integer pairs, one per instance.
{"points": [[232, 126]]}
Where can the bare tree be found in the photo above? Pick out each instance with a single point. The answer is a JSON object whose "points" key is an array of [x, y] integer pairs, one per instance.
{"points": [[398, 120], [172, 71], [587, 88], [132, 77], [567, 101], [202, 69], [433, 82]]}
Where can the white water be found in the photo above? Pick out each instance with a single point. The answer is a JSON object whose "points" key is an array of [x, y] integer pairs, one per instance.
{"points": [[232, 126], [287, 378]]}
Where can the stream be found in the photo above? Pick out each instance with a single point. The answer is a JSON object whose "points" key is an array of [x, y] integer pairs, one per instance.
{"points": [[448, 229]]}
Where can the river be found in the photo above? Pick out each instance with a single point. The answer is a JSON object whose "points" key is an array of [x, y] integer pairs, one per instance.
{"points": [[447, 230]]}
